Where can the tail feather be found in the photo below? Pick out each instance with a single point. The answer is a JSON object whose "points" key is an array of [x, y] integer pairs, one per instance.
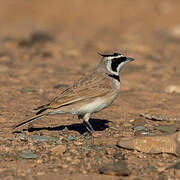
{"points": [[41, 111], [30, 120], [42, 107]]}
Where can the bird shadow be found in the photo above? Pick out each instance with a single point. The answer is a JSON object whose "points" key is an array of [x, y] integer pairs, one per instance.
{"points": [[97, 124]]}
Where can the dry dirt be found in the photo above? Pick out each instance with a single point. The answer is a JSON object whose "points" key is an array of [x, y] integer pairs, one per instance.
{"points": [[46, 45]]}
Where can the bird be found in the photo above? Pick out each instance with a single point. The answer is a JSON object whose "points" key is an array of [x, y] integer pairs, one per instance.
{"points": [[90, 94]]}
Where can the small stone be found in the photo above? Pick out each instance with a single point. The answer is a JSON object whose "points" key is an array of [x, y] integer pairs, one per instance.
{"points": [[65, 166], [2, 120], [175, 31], [138, 122], [57, 86], [75, 161], [28, 155], [154, 117], [58, 150], [118, 168], [140, 128], [140, 133], [78, 143], [168, 143], [59, 141], [28, 89], [68, 158], [110, 151], [23, 136], [72, 138], [167, 128], [97, 134], [173, 89], [43, 138], [40, 173], [39, 161]]}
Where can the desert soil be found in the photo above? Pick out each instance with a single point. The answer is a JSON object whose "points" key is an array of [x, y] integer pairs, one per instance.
{"points": [[46, 45]]}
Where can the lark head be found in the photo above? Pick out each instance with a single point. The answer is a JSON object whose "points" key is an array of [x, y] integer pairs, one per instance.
{"points": [[114, 62]]}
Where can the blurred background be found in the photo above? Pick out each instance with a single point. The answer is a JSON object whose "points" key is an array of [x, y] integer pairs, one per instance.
{"points": [[87, 18], [57, 42], [47, 45]]}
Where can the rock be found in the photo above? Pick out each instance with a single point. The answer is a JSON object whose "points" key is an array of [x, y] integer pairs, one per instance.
{"points": [[28, 154], [43, 138], [58, 150], [167, 128], [118, 168], [173, 89], [169, 143]]}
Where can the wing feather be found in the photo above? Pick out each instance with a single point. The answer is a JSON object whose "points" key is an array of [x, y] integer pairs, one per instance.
{"points": [[89, 87]]}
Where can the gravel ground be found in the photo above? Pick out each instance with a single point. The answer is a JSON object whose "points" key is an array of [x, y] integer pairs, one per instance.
{"points": [[45, 46]]}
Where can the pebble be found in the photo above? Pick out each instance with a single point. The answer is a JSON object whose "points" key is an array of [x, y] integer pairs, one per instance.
{"points": [[43, 138], [167, 128], [23, 136], [140, 133], [59, 141], [118, 168], [140, 128], [59, 149], [57, 86], [72, 138], [175, 31], [28, 89], [78, 143], [168, 143], [173, 89], [2, 120], [28, 154]]}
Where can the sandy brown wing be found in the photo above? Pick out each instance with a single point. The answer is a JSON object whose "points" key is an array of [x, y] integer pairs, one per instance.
{"points": [[88, 87]]}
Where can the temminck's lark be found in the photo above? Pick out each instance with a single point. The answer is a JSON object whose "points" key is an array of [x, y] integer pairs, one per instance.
{"points": [[88, 95]]}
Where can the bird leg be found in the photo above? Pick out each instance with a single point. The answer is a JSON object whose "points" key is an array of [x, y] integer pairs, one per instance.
{"points": [[85, 119], [30, 126]]}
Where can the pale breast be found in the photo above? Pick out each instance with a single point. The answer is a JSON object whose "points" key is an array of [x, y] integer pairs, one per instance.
{"points": [[98, 104]]}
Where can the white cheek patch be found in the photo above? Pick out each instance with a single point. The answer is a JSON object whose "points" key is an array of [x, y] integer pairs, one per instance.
{"points": [[120, 66]]}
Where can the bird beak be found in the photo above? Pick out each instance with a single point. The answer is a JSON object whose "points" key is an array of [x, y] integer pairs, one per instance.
{"points": [[130, 59]]}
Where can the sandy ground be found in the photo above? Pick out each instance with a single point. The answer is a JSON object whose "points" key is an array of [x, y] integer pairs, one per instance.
{"points": [[45, 46]]}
